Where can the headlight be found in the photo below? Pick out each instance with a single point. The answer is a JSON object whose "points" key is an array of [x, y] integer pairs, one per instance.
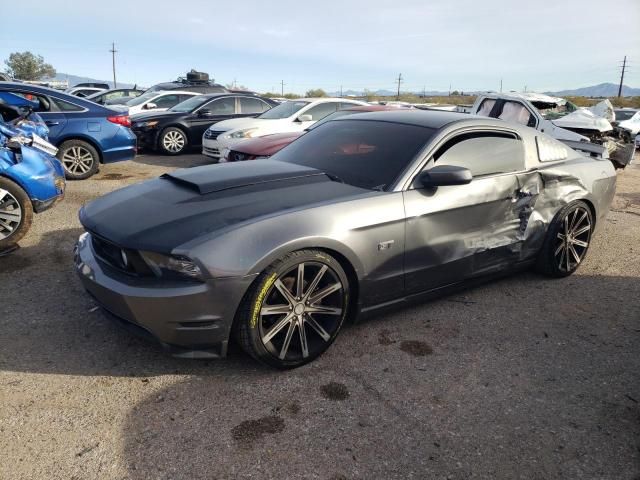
{"points": [[246, 133], [167, 266], [149, 124]]}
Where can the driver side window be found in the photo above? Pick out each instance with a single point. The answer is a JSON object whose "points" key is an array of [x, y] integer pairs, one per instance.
{"points": [[483, 153]]}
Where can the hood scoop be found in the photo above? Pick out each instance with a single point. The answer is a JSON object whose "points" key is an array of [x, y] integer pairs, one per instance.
{"points": [[216, 178]]}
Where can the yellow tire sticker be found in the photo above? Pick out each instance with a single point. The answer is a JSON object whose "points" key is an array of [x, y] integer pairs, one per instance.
{"points": [[263, 293]]}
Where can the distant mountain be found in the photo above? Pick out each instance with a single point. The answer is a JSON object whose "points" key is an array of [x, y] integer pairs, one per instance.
{"points": [[601, 90], [74, 80]]}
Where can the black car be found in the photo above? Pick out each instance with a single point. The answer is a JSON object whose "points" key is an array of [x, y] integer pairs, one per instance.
{"points": [[183, 125], [194, 82]]}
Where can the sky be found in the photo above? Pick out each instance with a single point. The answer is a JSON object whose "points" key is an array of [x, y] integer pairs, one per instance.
{"points": [[471, 45]]}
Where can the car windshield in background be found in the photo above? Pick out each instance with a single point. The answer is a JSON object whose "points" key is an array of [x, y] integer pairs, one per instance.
{"points": [[284, 110], [333, 116], [364, 153], [190, 104], [622, 115], [145, 97]]}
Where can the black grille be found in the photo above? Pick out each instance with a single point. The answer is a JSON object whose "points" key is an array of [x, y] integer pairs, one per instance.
{"points": [[213, 134], [122, 259]]}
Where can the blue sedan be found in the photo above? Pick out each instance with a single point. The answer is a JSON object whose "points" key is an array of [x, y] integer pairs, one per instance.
{"points": [[85, 133]]}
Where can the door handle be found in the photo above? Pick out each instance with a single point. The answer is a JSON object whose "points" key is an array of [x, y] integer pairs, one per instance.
{"points": [[52, 122]]}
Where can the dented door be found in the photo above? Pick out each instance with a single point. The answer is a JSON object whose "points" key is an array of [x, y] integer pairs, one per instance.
{"points": [[455, 232]]}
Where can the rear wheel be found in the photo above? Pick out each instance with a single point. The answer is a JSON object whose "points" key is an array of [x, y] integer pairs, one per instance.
{"points": [[16, 213], [294, 310], [567, 241], [79, 159], [173, 141]]}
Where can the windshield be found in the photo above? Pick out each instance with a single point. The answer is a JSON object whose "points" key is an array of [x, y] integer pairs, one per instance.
{"points": [[364, 153], [284, 110], [145, 97], [190, 104], [333, 116]]}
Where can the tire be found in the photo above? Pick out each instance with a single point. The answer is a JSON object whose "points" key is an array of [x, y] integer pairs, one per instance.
{"points": [[79, 159], [16, 213], [173, 141], [310, 317], [560, 257]]}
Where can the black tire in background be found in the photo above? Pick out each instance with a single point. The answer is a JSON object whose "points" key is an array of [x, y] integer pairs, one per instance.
{"points": [[79, 159], [294, 310], [173, 141], [16, 213], [567, 240]]}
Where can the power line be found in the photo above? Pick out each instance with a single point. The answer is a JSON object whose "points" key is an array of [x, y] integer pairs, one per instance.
{"points": [[113, 62]]}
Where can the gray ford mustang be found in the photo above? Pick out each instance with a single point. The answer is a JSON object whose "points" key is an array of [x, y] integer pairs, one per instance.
{"points": [[361, 213]]}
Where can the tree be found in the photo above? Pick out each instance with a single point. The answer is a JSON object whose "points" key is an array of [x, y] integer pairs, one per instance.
{"points": [[27, 66], [315, 92]]}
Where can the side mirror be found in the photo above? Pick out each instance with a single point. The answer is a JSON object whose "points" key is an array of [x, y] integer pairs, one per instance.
{"points": [[150, 106], [305, 118], [205, 112], [443, 175]]}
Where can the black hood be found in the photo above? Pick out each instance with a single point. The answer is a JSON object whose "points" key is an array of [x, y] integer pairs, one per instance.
{"points": [[162, 214]]}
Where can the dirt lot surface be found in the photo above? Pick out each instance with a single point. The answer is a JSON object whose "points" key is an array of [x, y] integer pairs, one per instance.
{"points": [[521, 378]]}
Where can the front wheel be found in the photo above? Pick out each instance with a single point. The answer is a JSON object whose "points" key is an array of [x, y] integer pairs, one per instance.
{"points": [[567, 240], [16, 213], [294, 310], [173, 141]]}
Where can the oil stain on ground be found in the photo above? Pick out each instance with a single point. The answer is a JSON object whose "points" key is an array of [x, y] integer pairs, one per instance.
{"points": [[416, 348], [251, 430], [384, 338], [114, 176], [14, 263], [334, 391]]}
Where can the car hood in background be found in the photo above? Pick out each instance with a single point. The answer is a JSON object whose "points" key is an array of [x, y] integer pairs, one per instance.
{"points": [[162, 214], [267, 145]]}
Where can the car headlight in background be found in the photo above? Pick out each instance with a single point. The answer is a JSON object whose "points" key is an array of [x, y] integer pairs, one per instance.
{"points": [[246, 133], [149, 124], [167, 266]]}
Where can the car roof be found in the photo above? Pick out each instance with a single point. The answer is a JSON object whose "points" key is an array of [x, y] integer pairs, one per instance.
{"points": [[173, 92], [37, 89], [231, 94], [420, 118]]}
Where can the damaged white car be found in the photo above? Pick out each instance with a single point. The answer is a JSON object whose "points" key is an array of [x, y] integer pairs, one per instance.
{"points": [[559, 118]]}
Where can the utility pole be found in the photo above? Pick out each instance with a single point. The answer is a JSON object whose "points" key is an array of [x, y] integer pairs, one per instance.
{"points": [[449, 89], [624, 66], [500, 85], [113, 62], [340, 91], [282, 88], [424, 91], [399, 82]]}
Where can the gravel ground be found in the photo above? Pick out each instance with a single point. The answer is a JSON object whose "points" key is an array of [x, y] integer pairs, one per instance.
{"points": [[521, 378]]}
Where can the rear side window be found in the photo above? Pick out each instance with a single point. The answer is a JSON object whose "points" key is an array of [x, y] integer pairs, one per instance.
{"points": [[252, 105], [484, 153], [65, 106], [486, 106]]}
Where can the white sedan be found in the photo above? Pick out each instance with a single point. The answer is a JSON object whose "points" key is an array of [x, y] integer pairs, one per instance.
{"points": [[290, 116], [155, 101]]}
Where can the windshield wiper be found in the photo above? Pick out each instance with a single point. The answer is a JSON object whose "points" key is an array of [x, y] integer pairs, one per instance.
{"points": [[334, 178]]}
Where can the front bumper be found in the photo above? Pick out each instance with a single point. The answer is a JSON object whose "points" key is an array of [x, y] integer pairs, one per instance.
{"points": [[147, 137], [189, 319], [211, 148]]}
